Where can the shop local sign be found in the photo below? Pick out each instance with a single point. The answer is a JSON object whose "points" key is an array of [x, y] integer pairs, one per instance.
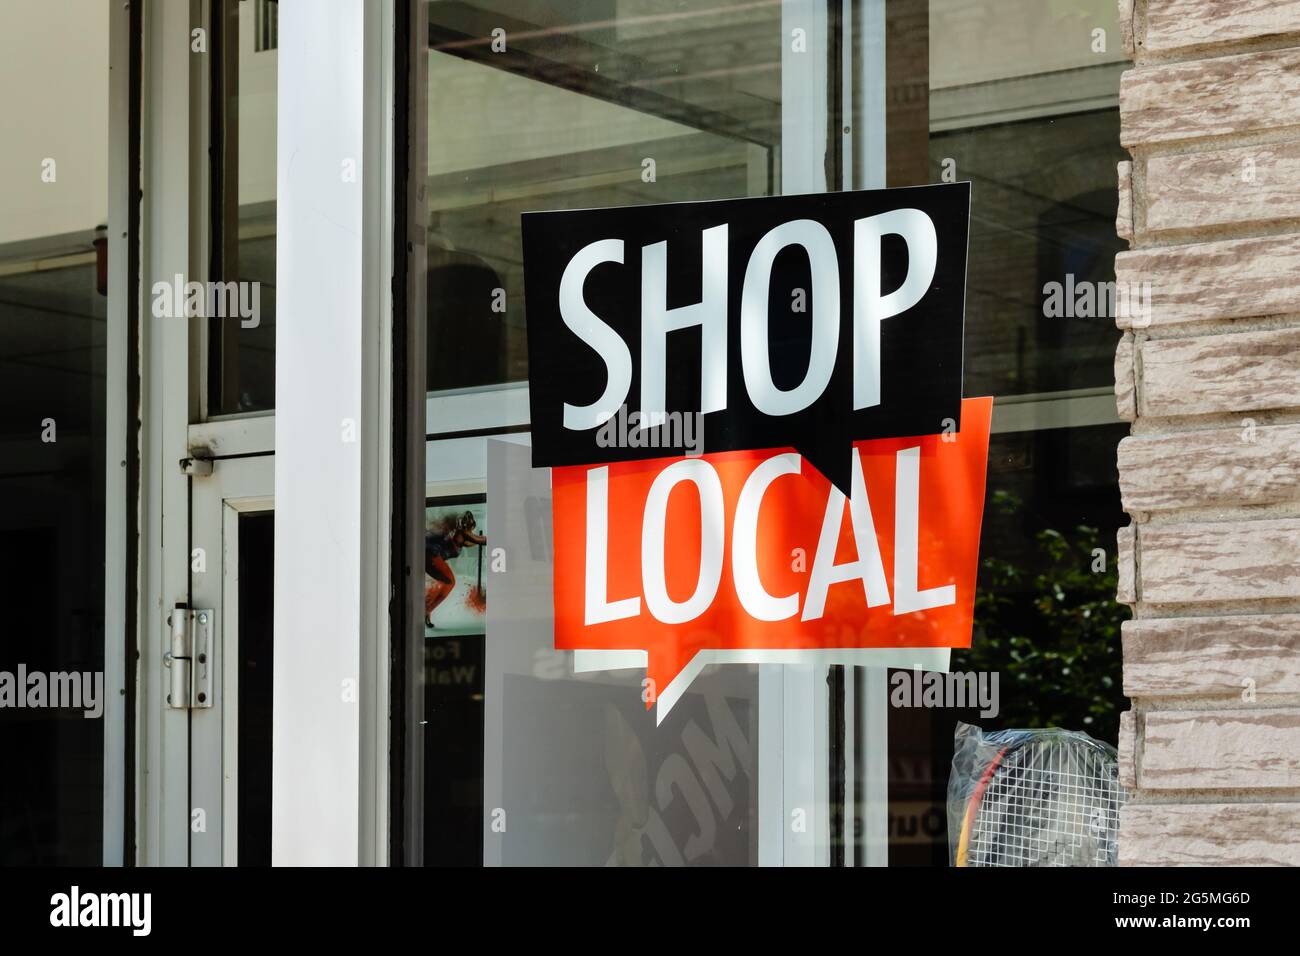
{"points": [[832, 501]]}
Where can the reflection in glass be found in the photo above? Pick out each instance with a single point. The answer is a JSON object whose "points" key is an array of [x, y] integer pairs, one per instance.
{"points": [[1043, 212], [241, 354], [53, 308], [1023, 102], [578, 104], [582, 105]]}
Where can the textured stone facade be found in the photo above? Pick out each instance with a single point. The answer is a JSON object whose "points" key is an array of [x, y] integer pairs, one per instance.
{"points": [[1209, 375]]}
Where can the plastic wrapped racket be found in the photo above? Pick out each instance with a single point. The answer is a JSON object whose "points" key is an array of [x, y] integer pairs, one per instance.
{"points": [[1033, 798]]}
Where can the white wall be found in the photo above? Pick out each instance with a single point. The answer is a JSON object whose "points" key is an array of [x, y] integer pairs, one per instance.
{"points": [[257, 114], [54, 78]]}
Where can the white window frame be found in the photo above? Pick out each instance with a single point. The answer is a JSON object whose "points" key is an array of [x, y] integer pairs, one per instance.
{"points": [[334, 264], [117, 481]]}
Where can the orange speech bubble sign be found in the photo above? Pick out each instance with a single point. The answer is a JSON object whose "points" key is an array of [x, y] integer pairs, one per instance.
{"points": [[757, 551]]}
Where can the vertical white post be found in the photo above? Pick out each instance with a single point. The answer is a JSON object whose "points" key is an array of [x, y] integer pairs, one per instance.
{"points": [[804, 61], [162, 733], [873, 716], [868, 117], [115, 444], [793, 780], [329, 397], [121, 185], [869, 97]]}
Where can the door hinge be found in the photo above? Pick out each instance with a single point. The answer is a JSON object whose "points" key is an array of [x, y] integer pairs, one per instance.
{"points": [[189, 657]]}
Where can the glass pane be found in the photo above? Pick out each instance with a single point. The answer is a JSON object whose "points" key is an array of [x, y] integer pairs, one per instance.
{"points": [[455, 605], [1043, 212], [241, 349], [255, 671], [1046, 621], [53, 298], [597, 103], [1023, 102], [578, 104]]}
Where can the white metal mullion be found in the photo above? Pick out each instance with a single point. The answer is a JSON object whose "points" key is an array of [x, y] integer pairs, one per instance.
{"points": [[330, 523], [116, 479], [868, 116], [801, 802], [162, 733], [377, 164]]}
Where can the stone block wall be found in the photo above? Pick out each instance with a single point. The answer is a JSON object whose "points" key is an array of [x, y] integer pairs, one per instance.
{"points": [[1208, 372]]}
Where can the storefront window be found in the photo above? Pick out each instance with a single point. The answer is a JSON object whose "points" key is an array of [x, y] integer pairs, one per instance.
{"points": [[598, 103]]}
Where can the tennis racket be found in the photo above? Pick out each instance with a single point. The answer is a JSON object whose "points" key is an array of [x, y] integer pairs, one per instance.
{"points": [[1039, 798]]}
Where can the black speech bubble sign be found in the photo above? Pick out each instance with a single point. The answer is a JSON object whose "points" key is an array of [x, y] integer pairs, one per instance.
{"points": [[920, 349]]}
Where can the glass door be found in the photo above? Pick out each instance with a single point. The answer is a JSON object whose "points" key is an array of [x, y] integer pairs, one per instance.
{"points": [[232, 560], [230, 434]]}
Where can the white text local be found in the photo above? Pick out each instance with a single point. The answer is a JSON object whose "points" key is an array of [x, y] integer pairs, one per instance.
{"points": [[867, 568], [870, 308]]}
